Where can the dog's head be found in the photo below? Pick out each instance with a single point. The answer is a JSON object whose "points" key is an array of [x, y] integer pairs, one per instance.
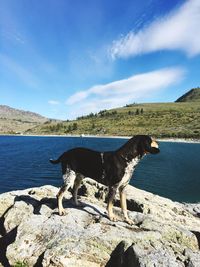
{"points": [[147, 145]]}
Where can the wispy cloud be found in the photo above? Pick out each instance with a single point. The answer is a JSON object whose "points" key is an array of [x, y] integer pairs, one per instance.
{"points": [[179, 30], [135, 88], [22, 73], [10, 27], [17, 35], [53, 102], [12, 36]]}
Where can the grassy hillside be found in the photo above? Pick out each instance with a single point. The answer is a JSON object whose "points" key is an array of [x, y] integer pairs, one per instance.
{"points": [[180, 119], [18, 121]]}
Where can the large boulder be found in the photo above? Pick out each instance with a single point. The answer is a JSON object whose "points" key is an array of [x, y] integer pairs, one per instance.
{"points": [[32, 233]]}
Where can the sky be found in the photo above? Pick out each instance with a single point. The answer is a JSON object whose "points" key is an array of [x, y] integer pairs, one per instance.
{"points": [[68, 58]]}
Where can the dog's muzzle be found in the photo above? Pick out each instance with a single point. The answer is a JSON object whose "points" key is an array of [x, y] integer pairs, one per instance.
{"points": [[154, 150]]}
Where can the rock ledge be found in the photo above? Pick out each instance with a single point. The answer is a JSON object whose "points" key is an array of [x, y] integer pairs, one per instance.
{"points": [[32, 233]]}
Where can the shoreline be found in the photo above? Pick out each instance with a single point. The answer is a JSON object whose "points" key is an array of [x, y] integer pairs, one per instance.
{"points": [[174, 140]]}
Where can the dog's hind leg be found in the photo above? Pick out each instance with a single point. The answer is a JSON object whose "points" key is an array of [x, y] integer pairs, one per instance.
{"points": [[77, 184], [68, 178], [111, 196], [124, 204], [60, 194]]}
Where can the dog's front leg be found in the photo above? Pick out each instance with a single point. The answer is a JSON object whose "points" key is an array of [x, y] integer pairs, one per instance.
{"points": [[124, 205], [111, 196], [60, 194]]}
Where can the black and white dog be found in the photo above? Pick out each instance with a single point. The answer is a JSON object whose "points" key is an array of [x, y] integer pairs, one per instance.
{"points": [[113, 169]]}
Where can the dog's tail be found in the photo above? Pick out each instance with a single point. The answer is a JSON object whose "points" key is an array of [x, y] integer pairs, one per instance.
{"points": [[55, 161], [60, 159]]}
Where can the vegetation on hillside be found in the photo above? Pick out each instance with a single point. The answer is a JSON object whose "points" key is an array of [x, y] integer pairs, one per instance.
{"points": [[160, 119]]}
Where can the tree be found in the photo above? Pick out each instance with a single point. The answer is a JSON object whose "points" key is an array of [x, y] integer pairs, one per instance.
{"points": [[69, 128], [130, 112], [74, 126]]}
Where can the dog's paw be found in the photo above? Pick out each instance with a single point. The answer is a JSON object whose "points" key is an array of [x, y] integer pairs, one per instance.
{"points": [[129, 221], [62, 212], [113, 218]]}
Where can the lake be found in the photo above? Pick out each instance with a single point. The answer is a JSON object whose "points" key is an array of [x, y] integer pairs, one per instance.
{"points": [[174, 173]]}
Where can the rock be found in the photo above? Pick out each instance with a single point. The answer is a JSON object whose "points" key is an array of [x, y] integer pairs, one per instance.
{"points": [[165, 233], [193, 208]]}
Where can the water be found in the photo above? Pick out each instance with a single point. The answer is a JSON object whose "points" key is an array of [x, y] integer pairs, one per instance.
{"points": [[174, 173]]}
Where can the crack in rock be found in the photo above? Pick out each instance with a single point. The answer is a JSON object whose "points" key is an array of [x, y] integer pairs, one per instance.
{"points": [[5, 241]]}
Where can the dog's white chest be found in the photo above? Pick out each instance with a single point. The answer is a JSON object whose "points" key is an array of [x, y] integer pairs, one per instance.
{"points": [[129, 171]]}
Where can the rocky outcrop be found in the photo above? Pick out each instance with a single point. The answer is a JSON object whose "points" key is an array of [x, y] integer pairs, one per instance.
{"points": [[32, 233]]}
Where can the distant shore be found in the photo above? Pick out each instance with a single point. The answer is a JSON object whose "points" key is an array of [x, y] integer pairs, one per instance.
{"points": [[177, 140]]}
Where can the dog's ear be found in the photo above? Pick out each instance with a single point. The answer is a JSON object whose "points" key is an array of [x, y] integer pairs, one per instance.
{"points": [[143, 145]]}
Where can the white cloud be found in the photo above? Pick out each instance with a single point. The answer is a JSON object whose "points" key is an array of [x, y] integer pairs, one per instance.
{"points": [[180, 30], [118, 93], [53, 102]]}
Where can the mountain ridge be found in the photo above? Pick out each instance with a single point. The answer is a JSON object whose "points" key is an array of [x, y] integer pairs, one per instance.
{"points": [[13, 113], [17, 121]]}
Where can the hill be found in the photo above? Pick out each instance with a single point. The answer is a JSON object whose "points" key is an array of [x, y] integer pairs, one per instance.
{"points": [[163, 120], [180, 119], [18, 121], [191, 96]]}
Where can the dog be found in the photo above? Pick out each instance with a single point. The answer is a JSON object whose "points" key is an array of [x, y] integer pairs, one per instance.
{"points": [[113, 169]]}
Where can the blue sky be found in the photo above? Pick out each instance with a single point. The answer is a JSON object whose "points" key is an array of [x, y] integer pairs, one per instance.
{"points": [[67, 58]]}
